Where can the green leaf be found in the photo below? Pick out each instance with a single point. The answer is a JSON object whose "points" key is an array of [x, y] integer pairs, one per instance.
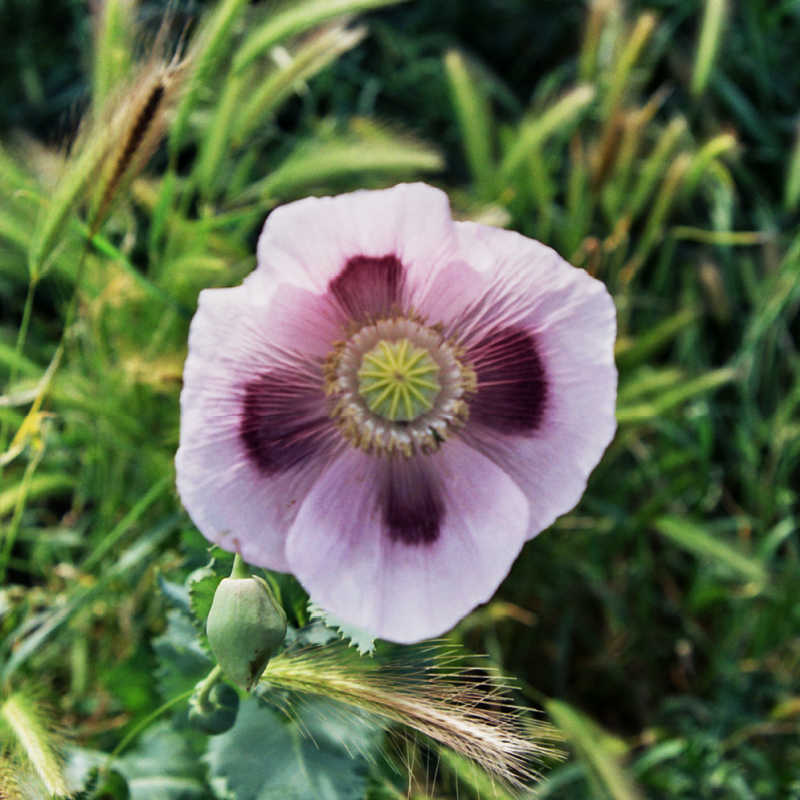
{"points": [[266, 756], [361, 639], [175, 594], [202, 584], [163, 766], [182, 661], [598, 751]]}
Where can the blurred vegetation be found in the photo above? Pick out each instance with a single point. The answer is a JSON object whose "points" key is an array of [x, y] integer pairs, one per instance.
{"points": [[653, 143]]}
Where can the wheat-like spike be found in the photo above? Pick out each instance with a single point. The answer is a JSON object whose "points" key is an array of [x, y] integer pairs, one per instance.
{"points": [[37, 743], [115, 142], [9, 773], [137, 127], [464, 708]]}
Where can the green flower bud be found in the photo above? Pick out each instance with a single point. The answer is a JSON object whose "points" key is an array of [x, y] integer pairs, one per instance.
{"points": [[217, 712], [245, 628]]}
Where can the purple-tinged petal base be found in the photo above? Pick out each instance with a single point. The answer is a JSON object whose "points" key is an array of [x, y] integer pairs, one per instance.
{"points": [[569, 320], [389, 572], [255, 431]]}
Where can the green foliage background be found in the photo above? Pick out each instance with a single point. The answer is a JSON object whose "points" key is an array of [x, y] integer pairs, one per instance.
{"points": [[656, 624]]}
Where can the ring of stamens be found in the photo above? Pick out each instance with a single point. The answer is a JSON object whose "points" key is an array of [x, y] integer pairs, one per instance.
{"points": [[398, 386]]}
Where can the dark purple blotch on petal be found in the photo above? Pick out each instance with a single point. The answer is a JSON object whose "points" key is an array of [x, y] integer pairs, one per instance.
{"points": [[512, 385], [411, 504], [369, 286], [282, 423]]}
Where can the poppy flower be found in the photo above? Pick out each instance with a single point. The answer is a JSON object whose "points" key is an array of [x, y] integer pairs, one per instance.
{"points": [[392, 403]]}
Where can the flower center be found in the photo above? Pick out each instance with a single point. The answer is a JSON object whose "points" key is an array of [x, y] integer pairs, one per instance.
{"points": [[398, 386], [398, 380]]}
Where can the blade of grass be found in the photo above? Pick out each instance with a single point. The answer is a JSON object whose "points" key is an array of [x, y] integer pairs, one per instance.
{"points": [[595, 750], [780, 291], [697, 540], [703, 158], [14, 229], [108, 249], [654, 166], [470, 775], [39, 486], [113, 47], [648, 381], [635, 124], [595, 22], [579, 205], [12, 529], [654, 224], [643, 412], [216, 142], [543, 189], [297, 18], [630, 352], [210, 45], [792, 188], [474, 119], [558, 117], [124, 525], [628, 56], [708, 45], [720, 238], [53, 619], [319, 164], [54, 218], [18, 362], [310, 58]]}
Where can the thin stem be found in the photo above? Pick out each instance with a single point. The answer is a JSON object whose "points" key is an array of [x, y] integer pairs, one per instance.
{"points": [[137, 729], [239, 568], [10, 534], [203, 688], [73, 302], [22, 335]]}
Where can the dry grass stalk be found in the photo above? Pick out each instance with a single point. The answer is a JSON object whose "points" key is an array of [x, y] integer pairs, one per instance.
{"points": [[464, 708]]}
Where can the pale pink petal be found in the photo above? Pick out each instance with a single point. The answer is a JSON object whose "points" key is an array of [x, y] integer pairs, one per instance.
{"points": [[255, 430], [541, 338], [407, 564], [311, 241]]}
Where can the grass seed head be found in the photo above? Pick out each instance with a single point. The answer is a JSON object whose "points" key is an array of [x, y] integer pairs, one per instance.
{"points": [[462, 707]]}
